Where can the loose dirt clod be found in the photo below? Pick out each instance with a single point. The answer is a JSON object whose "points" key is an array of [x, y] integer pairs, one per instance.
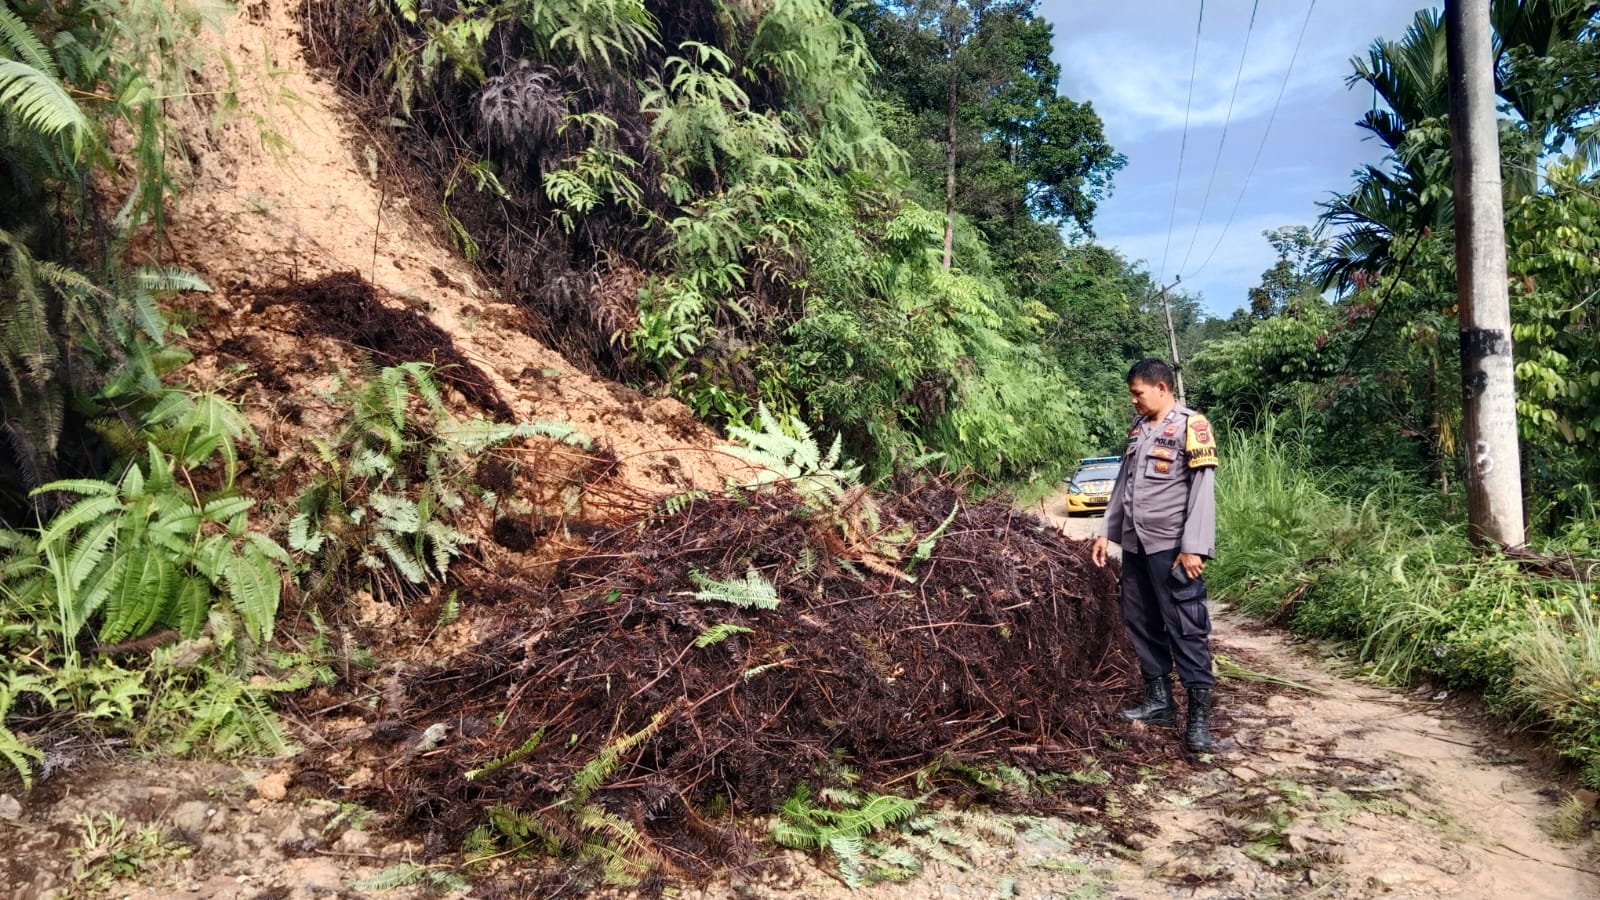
{"points": [[345, 307], [1004, 649]]}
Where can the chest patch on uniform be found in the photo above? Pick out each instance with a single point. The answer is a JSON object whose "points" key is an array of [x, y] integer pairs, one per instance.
{"points": [[1199, 444], [1163, 453], [1163, 466], [1170, 430]]}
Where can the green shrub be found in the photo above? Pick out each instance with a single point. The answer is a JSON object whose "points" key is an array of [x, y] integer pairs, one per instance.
{"points": [[1368, 564]]}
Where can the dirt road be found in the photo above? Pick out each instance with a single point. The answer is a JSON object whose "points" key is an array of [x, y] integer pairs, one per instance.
{"points": [[1342, 788]]}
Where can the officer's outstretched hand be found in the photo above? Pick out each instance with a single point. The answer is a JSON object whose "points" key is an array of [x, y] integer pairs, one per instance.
{"points": [[1097, 553]]}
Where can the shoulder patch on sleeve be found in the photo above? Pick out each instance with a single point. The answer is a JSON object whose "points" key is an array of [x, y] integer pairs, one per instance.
{"points": [[1200, 445]]}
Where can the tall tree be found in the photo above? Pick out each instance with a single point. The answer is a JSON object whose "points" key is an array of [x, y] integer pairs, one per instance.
{"points": [[1292, 281], [991, 135], [1545, 51]]}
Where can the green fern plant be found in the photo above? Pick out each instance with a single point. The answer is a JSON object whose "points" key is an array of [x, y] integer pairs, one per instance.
{"points": [[753, 591], [408, 874], [574, 824], [716, 634], [495, 765], [16, 751], [840, 823], [152, 549], [31, 91], [394, 482], [787, 452], [149, 549]]}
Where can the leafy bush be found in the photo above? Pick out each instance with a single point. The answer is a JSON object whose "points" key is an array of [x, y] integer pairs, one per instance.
{"points": [[166, 544], [394, 483]]}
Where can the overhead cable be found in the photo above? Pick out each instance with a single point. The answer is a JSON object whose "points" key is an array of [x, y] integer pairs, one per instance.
{"points": [[1263, 144], [1222, 142], [1183, 143]]}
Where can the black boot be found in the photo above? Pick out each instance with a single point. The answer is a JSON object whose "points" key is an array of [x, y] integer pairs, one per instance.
{"points": [[1158, 707], [1197, 730]]}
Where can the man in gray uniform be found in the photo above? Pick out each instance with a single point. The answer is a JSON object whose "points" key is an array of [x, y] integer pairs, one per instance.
{"points": [[1163, 513]]}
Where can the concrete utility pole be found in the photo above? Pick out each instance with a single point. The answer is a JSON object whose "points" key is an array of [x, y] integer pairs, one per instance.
{"points": [[1172, 341], [1494, 467]]}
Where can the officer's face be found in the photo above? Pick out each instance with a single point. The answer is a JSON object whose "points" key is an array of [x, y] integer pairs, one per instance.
{"points": [[1148, 398]]}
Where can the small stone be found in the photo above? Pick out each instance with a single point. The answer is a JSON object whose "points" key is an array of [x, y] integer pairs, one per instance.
{"points": [[274, 787], [319, 875], [190, 820], [10, 808], [353, 841], [292, 834]]}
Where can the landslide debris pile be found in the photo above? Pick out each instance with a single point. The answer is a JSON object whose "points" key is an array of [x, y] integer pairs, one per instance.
{"points": [[632, 697], [344, 306]]}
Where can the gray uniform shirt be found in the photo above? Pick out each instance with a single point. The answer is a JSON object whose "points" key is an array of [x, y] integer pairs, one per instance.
{"points": [[1159, 500]]}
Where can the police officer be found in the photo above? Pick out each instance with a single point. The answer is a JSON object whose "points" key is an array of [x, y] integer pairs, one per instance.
{"points": [[1163, 513]]}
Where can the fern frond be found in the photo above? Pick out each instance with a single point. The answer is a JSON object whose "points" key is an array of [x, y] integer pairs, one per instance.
{"points": [[90, 509], [398, 556], [168, 279], [751, 592], [24, 43], [190, 603], [409, 873], [613, 839], [302, 539], [41, 103], [938, 850], [718, 633], [254, 587], [495, 765], [677, 503], [14, 749], [593, 774], [396, 513], [137, 599], [847, 850], [925, 547]]}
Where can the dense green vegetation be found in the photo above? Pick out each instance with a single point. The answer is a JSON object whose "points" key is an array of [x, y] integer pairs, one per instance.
{"points": [[1362, 560], [1343, 515], [782, 181]]}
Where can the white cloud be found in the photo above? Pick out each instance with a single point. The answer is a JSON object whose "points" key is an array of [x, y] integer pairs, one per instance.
{"points": [[1150, 92], [1132, 58]]}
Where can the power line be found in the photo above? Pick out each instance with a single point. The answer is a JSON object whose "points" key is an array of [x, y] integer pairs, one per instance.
{"points": [[1263, 144], [1183, 143], [1222, 142]]}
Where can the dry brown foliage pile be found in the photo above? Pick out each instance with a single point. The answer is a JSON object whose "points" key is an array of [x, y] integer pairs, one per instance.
{"points": [[1001, 646]]}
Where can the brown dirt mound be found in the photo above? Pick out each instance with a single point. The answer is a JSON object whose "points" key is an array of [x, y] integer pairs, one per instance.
{"points": [[345, 307], [1004, 650]]}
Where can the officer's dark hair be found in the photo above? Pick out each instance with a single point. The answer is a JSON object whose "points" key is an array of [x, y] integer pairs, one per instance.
{"points": [[1151, 370]]}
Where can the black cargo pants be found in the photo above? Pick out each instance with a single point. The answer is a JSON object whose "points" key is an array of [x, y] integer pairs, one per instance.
{"points": [[1167, 622]]}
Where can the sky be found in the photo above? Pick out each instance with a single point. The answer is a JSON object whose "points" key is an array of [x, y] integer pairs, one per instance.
{"points": [[1133, 60]]}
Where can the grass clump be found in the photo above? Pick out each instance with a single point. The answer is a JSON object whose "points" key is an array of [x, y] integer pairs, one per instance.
{"points": [[1373, 565]]}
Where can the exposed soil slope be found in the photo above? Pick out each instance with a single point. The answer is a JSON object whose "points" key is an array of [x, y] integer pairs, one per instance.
{"points": [[256, 219]]}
